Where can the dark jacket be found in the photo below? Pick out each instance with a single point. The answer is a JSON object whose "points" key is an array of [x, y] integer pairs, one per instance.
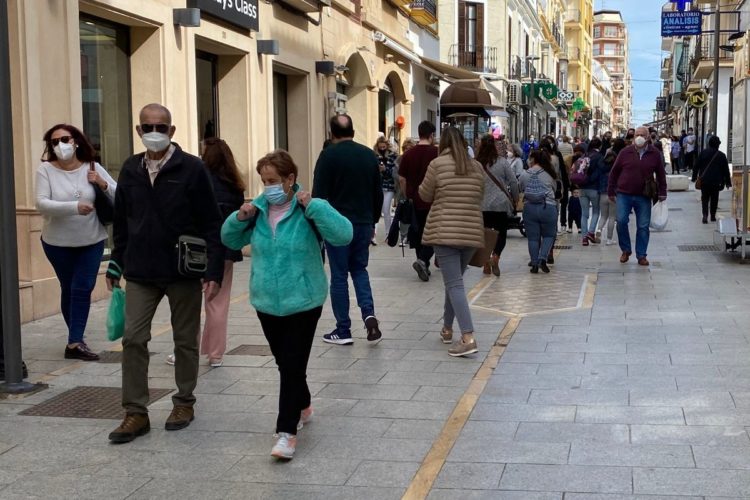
{"points": [[229, 200], [630, 172], [716, 176], [149, 219], [596, 167], [347, 174], [607, 162]]}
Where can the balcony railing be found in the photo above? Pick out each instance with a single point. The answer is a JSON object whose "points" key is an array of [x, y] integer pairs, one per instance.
{"points": [[515, 68], [558, 34], [599, 52], [424, 11], [573, 16], [479, 58], [704, 49]]}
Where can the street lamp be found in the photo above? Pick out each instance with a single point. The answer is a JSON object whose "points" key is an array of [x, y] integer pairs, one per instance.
{"points": [[532, 91]]}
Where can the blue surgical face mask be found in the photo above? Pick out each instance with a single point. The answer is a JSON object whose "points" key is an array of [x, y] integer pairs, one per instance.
{"points": [[275, 194]]}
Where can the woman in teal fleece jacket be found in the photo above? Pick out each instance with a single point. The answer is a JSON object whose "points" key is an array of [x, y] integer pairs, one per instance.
{"points": [[288, 285]]}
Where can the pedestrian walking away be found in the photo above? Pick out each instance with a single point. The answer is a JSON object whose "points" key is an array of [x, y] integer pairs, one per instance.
{"points": [[288, 284], [592, 166], [538, 186], [229, 190], [347, 175], [164, 202], [500, 195], [454, 184], [386, 164], [72, 233], [638, 170], [608, 209], [689, 145], [713, 176], [675, 155], [411, 173]]}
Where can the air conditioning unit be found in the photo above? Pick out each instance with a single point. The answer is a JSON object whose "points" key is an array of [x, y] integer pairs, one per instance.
{"points": [[514, 92]]}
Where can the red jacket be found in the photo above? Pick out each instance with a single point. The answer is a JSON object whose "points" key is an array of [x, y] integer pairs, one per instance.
{"points": [[630, 171]]}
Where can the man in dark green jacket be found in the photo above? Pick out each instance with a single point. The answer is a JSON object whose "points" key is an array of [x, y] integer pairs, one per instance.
{"points": [[347, 174]]}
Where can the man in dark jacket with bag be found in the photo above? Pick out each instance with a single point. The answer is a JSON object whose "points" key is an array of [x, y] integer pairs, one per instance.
{"points": [[713, 176], [165, 198], [638, 170]]}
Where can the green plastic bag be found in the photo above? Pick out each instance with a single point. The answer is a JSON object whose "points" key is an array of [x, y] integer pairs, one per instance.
{"points": [[116, 314]]}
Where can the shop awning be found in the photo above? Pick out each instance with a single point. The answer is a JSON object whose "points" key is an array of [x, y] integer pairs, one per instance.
{"points": [[469, 94], [446, 71]]}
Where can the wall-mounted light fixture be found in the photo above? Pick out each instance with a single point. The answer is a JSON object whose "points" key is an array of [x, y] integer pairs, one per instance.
{"points": [[187, 18]]}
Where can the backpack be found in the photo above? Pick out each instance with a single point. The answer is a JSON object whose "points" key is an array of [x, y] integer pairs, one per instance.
{"points": [[580, 170], [535, 191]]}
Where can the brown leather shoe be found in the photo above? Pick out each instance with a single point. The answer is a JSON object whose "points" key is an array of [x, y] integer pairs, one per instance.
{"points": [[180, 418], [625, 257], [134, 425], [643, 261]]}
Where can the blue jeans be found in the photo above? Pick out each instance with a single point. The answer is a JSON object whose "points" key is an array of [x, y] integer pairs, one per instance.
{"points": [[540, 222], [453, 263], [589, 198], [642, 207], [76, 269], [343, 261]]}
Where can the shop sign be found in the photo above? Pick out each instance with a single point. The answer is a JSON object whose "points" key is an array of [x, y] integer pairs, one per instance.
{"points": [[698, 99], [661, 104], [565, 95], [242, 13], [681, 23]]}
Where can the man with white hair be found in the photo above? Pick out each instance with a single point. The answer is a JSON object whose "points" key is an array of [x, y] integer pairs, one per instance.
{"points": [[636, 169]]}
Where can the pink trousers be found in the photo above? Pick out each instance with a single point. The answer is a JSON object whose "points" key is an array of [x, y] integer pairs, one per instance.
{"points": [[214, 341]]}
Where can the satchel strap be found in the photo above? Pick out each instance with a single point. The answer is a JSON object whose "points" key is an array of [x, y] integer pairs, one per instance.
{"points": [[499, 185], [709, 165]]}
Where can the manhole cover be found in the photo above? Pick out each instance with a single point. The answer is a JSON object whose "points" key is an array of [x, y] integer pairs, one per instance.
{"points": [[698, 248], [113, 356], [534, 293], [250, 350], [562, 247], [88, 402]]}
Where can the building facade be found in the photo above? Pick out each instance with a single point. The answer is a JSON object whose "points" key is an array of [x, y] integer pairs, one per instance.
{"points": [[259, 75], [601, 101], [611, 49], [579, 19]]}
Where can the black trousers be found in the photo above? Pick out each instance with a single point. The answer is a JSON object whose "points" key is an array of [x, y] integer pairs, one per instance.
{"points": [[709, 196], [424, 252], [675, 164], [499, 222], [564, 210], [691, 165], [291, 338]]}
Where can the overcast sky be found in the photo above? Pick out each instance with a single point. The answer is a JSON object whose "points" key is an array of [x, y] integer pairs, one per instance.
{"points": [[643, 18]]}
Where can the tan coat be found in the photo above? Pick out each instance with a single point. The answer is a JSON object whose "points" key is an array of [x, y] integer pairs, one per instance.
{"points": [[455, 219]]}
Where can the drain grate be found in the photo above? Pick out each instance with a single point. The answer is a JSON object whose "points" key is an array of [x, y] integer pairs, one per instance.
{"points": [[87, 402], [562, 247], [698, 248], [113, 356], [250, 350]]}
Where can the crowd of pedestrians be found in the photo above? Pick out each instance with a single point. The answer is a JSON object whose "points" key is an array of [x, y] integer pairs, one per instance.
{"points": [[179, 223]]}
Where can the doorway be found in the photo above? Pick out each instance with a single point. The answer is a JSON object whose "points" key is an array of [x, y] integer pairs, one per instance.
{"points": [[206, 83], [386, 110]]}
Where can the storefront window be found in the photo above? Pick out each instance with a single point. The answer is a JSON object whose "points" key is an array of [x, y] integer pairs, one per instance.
{"points": [[206, 88], [281, 127], [105, 87]]}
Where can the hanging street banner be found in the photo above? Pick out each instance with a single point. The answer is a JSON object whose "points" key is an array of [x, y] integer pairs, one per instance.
{"points": [[681, 23]]}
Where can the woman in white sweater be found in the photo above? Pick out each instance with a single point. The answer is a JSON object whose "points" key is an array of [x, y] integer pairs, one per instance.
{"points": [[72, 236]]}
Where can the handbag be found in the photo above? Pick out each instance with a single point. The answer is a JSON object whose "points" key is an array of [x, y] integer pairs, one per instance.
{"points": [[192, 256], [699, 180], [482, 255], [513, 203], [650, 188], [105, 208]]}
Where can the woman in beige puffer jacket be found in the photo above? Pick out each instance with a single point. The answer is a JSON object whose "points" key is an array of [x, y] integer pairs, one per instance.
{"points": [[454, 184]]}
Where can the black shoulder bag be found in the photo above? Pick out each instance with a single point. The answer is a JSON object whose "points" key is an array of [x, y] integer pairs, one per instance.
{"points": [[105, 208]]}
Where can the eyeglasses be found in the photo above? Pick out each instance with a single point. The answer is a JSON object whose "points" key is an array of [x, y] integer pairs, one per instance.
{"points": [[162, 128], [64, 139]]}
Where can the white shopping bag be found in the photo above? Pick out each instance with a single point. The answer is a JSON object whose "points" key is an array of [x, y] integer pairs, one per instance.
{"points": [[659, 216]]}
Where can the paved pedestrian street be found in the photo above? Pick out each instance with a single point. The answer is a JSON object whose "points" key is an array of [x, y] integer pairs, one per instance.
{"points": [[597, 381]]}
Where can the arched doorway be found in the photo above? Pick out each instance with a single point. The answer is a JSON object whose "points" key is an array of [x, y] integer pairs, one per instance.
{"points": [[390, 95]]}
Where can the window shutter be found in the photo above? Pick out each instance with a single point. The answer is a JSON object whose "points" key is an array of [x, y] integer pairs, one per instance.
{"points": [[480, 37], [461, 25]]}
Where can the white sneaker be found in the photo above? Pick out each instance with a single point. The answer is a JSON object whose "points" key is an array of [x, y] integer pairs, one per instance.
{"points": [[610, 242], [305, 417], [170, 360], [216, 363], [285, 446]]}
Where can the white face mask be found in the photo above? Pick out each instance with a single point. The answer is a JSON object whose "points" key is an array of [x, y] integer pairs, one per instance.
{"points": [[510, 154], [156, 141], [640, 141], [64, 151]]}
